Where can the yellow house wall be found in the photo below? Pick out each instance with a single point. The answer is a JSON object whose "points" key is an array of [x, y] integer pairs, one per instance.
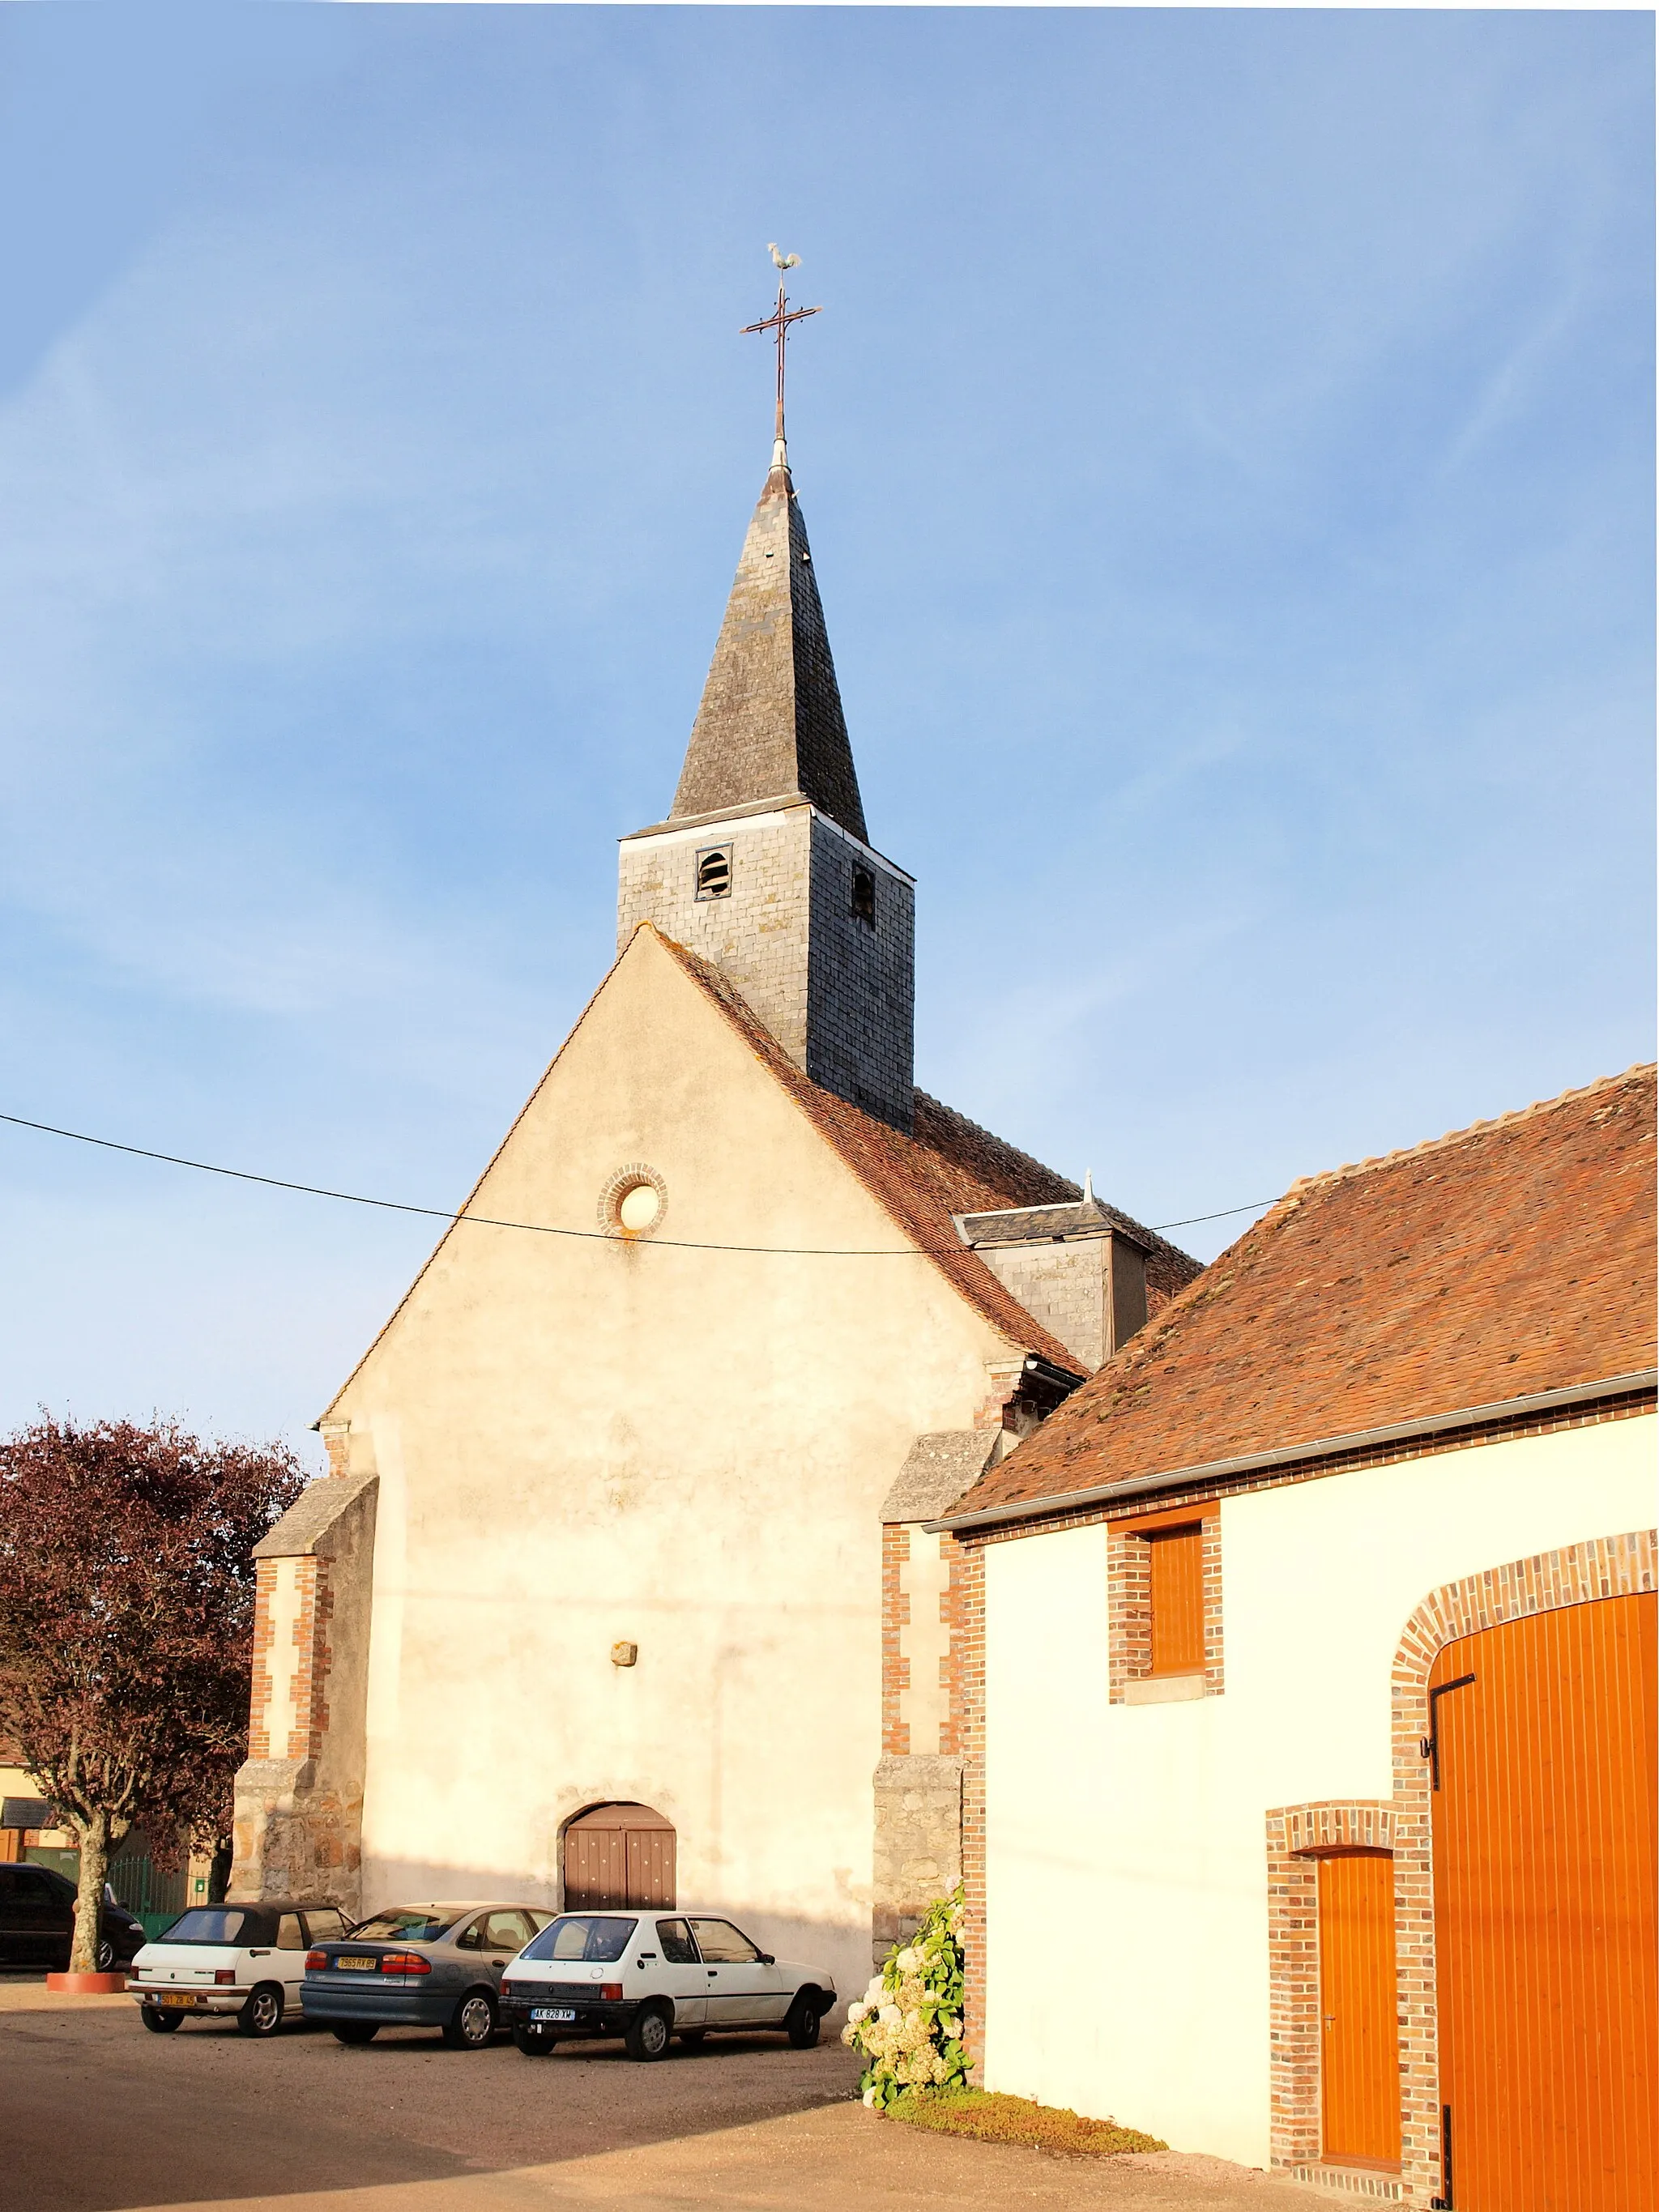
{"points": [[1145, 1825], [583, 1442]]}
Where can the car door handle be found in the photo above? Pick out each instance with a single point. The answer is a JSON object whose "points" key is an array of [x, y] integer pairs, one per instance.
{"points": [[712, 1972], [500, 1965]]}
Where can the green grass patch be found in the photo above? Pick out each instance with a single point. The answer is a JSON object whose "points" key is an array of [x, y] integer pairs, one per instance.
{"points": [[987, 2116]]}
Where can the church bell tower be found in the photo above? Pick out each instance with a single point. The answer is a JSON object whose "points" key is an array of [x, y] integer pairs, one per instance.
{"points": [[763, 864]]}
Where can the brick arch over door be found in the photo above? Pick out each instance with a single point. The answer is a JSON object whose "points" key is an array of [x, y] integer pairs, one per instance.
{"points": [[618, 1854], [1610, 1566]]}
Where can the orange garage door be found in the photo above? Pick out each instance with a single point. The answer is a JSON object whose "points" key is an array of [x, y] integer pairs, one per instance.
{"points": [[1544, 1885]]}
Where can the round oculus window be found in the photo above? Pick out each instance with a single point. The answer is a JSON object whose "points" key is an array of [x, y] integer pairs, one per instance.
{"points": [[638, 1206], [634, 1201]]}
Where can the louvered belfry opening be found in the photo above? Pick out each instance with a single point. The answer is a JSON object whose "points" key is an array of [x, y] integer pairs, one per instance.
{"points": [[618, 1856], [1543, 1839]]}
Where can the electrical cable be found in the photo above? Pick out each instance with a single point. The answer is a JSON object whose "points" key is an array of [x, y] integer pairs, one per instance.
{"points": [[542, 1228]]}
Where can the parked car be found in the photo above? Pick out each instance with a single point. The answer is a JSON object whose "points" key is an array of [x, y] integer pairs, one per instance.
{"points": [[249, 1959], [419, 1966], [649, 1976], [37, 1921]]}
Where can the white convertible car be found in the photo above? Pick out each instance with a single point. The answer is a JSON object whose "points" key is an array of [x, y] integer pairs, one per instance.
{"points": [[249, 1959], [649, 1976]]}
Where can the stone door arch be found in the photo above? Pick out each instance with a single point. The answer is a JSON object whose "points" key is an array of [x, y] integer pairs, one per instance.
{"points": [[618, 1854]]}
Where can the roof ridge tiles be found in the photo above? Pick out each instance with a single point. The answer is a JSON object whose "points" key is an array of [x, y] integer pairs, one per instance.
{"points": [[1634, 1073]]}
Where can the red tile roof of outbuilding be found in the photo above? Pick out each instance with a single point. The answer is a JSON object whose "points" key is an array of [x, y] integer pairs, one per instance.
{"points": [[1511, 1259]]}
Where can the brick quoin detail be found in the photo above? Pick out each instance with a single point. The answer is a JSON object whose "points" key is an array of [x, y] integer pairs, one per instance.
{"points": [[313, 1611], [968, 1651], [895, 1615]]}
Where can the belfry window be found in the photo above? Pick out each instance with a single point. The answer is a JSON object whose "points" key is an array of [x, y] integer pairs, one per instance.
{"points": [[714, 873], [864, 896]]}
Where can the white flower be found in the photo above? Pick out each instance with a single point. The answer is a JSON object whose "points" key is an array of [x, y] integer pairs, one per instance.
{"points": [[870, 2097], [890, 2016], [873, 1994], [908, 1960], [855, 2012]]}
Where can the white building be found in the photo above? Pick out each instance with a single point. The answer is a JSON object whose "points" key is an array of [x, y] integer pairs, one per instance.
{"points": [[1308, 1660]]}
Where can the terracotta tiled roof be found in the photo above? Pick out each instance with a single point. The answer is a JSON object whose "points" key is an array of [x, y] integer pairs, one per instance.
{"points": [[1510, 1259], [949, 1166]]}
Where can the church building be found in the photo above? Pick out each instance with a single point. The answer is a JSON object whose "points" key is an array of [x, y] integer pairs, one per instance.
{"points": [[619, 1588]]}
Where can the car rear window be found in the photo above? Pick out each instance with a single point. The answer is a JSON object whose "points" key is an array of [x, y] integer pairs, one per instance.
{"points": [[208, 1924], [409, 1923], [598, 1938]]}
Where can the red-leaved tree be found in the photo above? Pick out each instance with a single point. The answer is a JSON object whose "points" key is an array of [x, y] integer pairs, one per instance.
{"points": [[126, 1617]]}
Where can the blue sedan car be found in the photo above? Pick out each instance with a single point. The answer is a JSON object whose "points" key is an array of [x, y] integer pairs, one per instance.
{"points": [[419, 1966]]}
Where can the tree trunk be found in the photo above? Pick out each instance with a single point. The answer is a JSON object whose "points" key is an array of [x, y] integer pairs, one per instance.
{"points": [[89, 1903]]}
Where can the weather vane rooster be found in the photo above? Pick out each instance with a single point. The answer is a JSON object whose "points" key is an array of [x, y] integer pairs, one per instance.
{"points": [[782, 316]]}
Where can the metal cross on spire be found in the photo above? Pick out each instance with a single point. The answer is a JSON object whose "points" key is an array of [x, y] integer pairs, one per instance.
{"points": [[780, 320]]}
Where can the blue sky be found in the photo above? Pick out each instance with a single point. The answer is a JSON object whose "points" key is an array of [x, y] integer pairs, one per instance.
{"points": [[1227, 447]]}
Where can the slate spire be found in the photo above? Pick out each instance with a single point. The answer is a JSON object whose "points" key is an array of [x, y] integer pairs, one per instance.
{"points": [[770, 725]]}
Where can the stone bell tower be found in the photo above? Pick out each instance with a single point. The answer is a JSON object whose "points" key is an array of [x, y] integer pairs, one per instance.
{"points": [[763, 864]]}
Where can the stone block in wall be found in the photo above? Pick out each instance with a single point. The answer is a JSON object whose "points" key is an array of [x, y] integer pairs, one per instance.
{"points": [[918, 1843]]}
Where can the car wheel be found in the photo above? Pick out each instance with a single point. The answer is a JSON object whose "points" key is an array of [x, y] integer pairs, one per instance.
{"points": [[262, 2015], [473, 2027], [534, 2042], [105, 1955], [804, 2019], [693, 2036], [356, 2031], [159, 2022], [648, 2034]]}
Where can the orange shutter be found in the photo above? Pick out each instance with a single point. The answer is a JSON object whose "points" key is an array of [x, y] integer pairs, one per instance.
{"points": [[1359, 2009], [1544, 1886], [1177, 1598]]}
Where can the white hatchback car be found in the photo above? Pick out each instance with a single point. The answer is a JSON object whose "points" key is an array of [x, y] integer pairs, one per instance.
{"points": [[648, 1976], [249, 1959]]}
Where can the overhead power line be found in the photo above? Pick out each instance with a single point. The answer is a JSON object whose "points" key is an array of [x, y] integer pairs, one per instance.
{"points": [[541, 1228]]}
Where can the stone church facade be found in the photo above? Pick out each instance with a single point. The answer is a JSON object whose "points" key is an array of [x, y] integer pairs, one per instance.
{"points": [[634, 1519]]}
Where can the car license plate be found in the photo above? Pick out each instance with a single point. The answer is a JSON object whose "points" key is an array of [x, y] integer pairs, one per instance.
{"points": [[358, 1965], [177, 1999], [551, 2012]]}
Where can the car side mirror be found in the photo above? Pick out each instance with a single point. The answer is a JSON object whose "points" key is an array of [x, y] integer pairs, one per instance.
{"points": [[766, 1960]]}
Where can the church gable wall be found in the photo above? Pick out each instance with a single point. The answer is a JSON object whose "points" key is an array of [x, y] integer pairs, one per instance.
{"points": [[616, 1441]]}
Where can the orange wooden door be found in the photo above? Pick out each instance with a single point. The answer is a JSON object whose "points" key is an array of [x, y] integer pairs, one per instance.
{"points": [[1359, 2009], [1545, 1914]]}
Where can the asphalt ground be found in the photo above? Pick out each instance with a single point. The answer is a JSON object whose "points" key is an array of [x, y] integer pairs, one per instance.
{"points": [[97, 2115]]}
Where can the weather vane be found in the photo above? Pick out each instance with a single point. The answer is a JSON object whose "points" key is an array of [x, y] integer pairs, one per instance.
{"points": [[780, 320]]}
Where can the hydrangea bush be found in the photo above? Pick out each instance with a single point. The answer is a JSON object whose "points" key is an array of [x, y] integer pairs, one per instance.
{"points": [[908, 2024]]}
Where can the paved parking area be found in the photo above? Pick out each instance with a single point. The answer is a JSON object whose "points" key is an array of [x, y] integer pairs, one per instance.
{"points": [[98, 2116]]}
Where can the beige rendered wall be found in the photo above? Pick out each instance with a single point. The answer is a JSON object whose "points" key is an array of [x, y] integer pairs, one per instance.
{"points": [[583, 1441], [1139, 1829]]}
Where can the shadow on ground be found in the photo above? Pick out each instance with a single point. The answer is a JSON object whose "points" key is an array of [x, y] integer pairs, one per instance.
{"points": [[100, 2116]]}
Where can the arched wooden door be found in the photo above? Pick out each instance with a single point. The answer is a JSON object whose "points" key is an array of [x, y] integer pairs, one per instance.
{"points": [[618, 1854], [1544, 1780]]}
